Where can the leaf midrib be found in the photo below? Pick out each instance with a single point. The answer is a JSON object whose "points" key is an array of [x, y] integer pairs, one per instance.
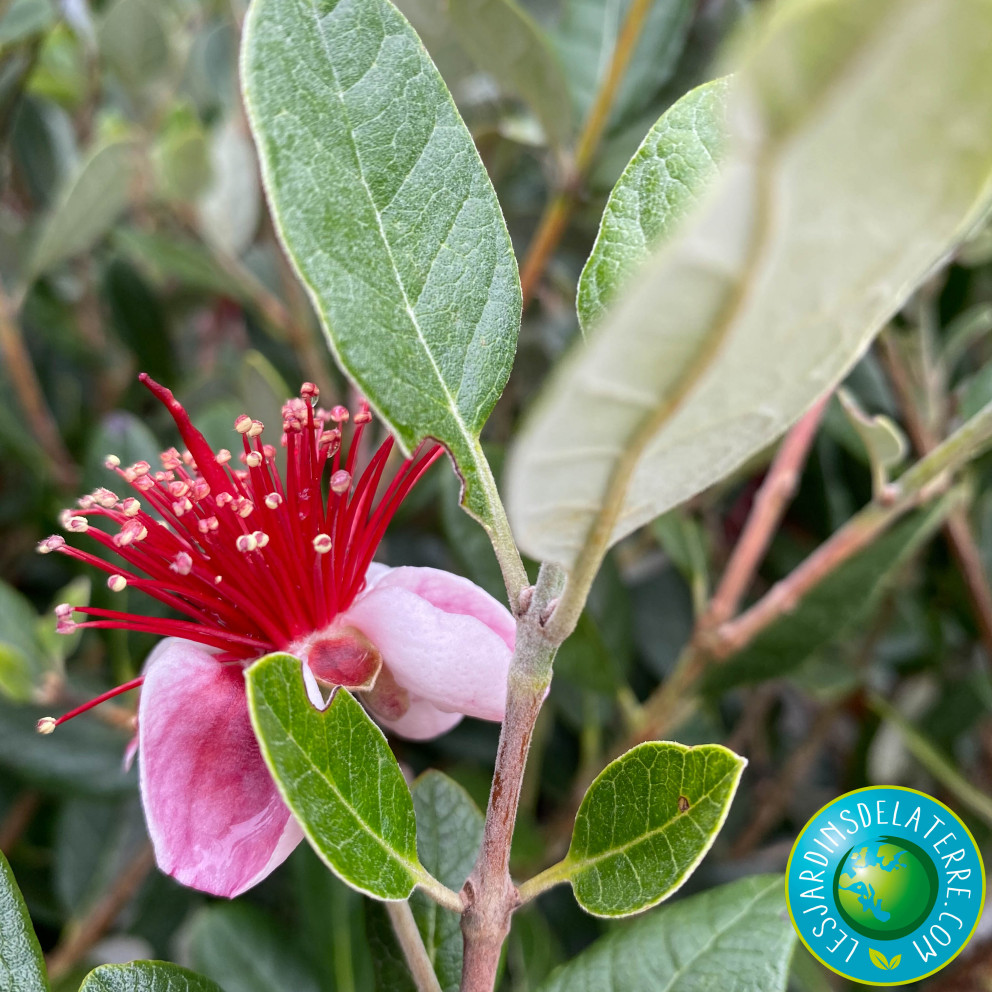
{"points": [[414, 867], [452, 405], [600, 531], [586, 863]]}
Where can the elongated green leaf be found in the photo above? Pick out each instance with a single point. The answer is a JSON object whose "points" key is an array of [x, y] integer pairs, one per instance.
{"points": [[587, 35], [510, 45], [665, 179], [842, 601], [646, 822], [449, 832], [244, 949], [22, 968], [860, 152], [88, 207], [335, 771], [735, 937], [146, 976], [388, 216]]}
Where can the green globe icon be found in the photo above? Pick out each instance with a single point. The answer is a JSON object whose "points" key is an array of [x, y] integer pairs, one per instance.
{"points": [[886, 887]]}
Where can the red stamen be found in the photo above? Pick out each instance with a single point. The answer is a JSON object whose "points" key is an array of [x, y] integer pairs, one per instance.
{"points": [[253, 562], [47, 724]]}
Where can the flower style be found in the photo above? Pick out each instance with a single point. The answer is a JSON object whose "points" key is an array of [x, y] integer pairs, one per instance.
{"points": [[257, 563]]}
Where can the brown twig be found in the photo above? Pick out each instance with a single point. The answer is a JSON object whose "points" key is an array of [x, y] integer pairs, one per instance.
{"points": [[489, 894], [928, 477], [18, 819], [774, 801], [770, 504], [557, 213], [23, 378], [957, 530], [81, 936]]}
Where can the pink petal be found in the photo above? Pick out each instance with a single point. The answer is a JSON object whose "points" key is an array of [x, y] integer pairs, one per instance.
{"points": [[444, 639], [450, 593], [214, 816], [421, 722]]}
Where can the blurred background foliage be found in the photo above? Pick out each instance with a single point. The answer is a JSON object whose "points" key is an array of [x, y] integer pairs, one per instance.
{"points": [[134, 237]]}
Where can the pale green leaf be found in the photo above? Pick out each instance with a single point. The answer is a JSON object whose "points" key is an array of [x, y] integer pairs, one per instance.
{"points": [[883, 440], [134, 42], [842, 601], [230, 207], [24, 18], [22, 968], [449, 832], [737, 937], [92, 200], [388, 216], [586, 36], [146, 976], [646, 822], [337, 774], [859, 153], [510, 45], [665, 179]]}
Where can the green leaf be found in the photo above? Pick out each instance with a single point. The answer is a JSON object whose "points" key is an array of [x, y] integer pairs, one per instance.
{"points": [[859, 153], [230, 207], [84, 757], [586, 37], [24, 18], [646, 823], [89, 205], [336, 772], [146, 976], [878, 959], [449, 832], [843, 600], [164, 258], [665, 179], [883, 440], [22, 968], [20, 650], [735, 937], [134, 42], [244, 949], [505, 41], [389, 217]]}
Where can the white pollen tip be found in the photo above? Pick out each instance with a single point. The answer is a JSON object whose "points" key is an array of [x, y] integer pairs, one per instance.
{"points": [[256, 428], [340, 481], [273, 501], [246, 543], [117, 583], [112, 461], [261, 538], [50, 544], [242, 424], [222, 457], [253, 459], [322, 544], [46, 724]]}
